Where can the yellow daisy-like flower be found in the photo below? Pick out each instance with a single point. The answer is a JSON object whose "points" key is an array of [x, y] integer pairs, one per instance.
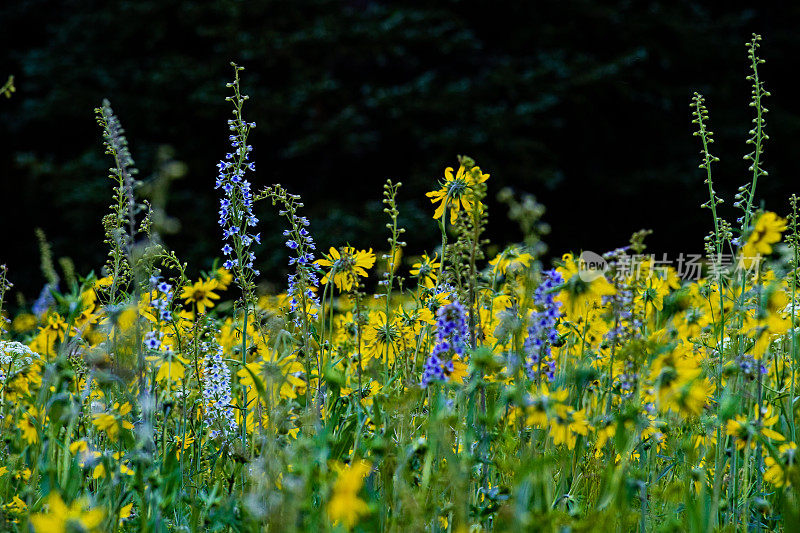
{"points": [[384, 336], [49, 335], [542, 403], [27, 426], [567, 424], [777, 472], [201, 293], [455, 191], [171, 366], [511, 260], [16, 507], [223, 277], [24, 322], [581, 293], [655, 292], [111, 422], [767, 232], [415, 319], [745, 431], [426, 270], [345, 506], [59, 518], [345, 265], [678, 383]]}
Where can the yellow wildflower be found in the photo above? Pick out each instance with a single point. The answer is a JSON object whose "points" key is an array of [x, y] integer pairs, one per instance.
{"points": [[767, 232], [345, 506], [579, 294], [455, 192], [511, 260], [384, 337], [777, 471], [201, 293], [346, 264], [27, 425], [425, 270], [23, 323], [59, 518], [223, 278], [745, 431], [567, 424]]}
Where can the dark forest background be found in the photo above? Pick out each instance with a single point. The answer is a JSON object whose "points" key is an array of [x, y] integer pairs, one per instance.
{"points": [[583, 103]]}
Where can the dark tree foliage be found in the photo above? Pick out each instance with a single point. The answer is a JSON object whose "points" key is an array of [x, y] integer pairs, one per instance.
{"points": [[584, 103]]}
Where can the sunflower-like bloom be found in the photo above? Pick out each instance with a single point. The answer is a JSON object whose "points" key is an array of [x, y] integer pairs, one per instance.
{"points": [[745, 431], [567, 424], [223, 277], [345, 505], [27, 426], [581, 293], [201, 293], [425, 270], [778, 471], [345, 265], [61, 518], [112, 421], [455, 191], [767, 232], [385, 337], [512, 259], [766, 325], [542, 404], [171, 366], [679, 384], [655, 292]]}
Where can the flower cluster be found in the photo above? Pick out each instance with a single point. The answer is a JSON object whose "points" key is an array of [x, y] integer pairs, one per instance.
{"points": [[152, 340], [451, 339], [217, 392], [12, 352], [279, 407], [236, 217], [627, 325], [161, 303], [542, 332], [748, 365], [300, 240], [628, 380]]}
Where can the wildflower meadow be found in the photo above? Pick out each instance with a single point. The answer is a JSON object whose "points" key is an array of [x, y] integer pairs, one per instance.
{"points": [[379, 388]]}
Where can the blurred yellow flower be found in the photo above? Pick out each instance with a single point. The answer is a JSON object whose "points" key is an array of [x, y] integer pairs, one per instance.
{"points": [[59, 518], [345, 506], [777, 471], [511, 260], [27, 426], [580, 294], [767, 232], [426, 269]]}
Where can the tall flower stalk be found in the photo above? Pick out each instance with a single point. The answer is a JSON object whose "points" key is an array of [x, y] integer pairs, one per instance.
{"points": [[303, 282], [236, 217]]}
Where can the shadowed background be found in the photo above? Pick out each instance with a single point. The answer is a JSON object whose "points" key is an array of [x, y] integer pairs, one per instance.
{"points": [[586, 106]]}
